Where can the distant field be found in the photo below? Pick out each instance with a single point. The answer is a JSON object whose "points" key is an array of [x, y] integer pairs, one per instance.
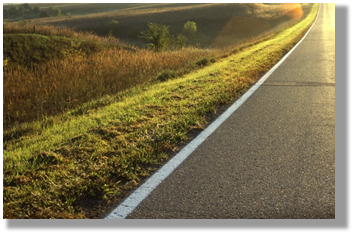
{"points": [[85, 8], [247, 20]]}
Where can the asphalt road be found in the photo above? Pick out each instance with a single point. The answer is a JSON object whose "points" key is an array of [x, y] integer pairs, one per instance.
{"points": [[274, 157]]}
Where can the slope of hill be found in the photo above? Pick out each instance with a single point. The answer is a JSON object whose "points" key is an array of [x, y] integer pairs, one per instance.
{"points": [[211, 19]]}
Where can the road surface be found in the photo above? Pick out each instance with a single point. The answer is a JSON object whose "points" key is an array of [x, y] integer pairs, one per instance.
{"points": [[274, 157]]}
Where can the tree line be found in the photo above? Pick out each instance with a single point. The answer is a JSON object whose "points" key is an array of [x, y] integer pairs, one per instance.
{"points": [[160, 39], [27, 10]]}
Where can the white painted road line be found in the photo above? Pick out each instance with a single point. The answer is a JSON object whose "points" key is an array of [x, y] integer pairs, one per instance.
{"points": [[130, 203]]}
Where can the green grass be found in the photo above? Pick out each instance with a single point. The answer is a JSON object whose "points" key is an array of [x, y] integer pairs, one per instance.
{"points": [[27, 49], [76, 164]]}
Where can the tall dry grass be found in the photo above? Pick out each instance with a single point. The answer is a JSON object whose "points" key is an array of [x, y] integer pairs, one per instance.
{"points": [[61, 84], [47, 30], [61, 31]]}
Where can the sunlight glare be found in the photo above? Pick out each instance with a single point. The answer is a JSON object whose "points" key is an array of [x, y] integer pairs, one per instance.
{"points": [[293, 10]]}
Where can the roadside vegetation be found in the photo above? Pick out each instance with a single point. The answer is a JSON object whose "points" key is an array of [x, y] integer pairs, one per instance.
{"points": [[55, 70], [92, 117]]}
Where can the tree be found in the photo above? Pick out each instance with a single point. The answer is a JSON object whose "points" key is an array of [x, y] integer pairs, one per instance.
{"points": [[181, 41], [16, 11], [158, 36], [26, 6], [189, 29], [36, 9], [55, 11], [21, 9]]}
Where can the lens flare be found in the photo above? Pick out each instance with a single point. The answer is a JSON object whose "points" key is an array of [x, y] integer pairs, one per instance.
{"points": [[240, 28], [293, 10]]}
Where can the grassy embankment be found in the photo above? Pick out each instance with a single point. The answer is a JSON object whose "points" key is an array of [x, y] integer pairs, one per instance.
{"points": [[79, 163], [58, 69]]}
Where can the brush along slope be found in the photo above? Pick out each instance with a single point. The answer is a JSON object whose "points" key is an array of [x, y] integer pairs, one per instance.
{"points": [[58, 69]]}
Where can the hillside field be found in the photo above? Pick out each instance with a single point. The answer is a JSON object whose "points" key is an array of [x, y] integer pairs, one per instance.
{"points": [[247, 20]]}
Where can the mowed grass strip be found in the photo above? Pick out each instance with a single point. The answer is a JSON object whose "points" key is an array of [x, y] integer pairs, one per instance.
{"points": [[80, 167]]}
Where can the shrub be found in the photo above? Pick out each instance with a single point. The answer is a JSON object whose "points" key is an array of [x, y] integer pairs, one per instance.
{"points": [[5, 61], [189, 29], [26, 6], [36, 9], [158, 36], [16, 11], [55, 11], [181, 41], [166, 75], [204, 62]]}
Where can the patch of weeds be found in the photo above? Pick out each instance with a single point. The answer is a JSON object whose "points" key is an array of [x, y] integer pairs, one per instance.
{"points": [[166, 75], [205, 62]]}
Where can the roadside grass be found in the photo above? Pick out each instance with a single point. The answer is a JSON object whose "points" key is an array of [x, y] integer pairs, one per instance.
{"points": [[74, 165], [49, 30], [49, 74], [30, 49]]}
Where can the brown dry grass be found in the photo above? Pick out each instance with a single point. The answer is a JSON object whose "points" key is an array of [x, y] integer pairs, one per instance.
{"points": [[61, 84], [51, 30]]}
